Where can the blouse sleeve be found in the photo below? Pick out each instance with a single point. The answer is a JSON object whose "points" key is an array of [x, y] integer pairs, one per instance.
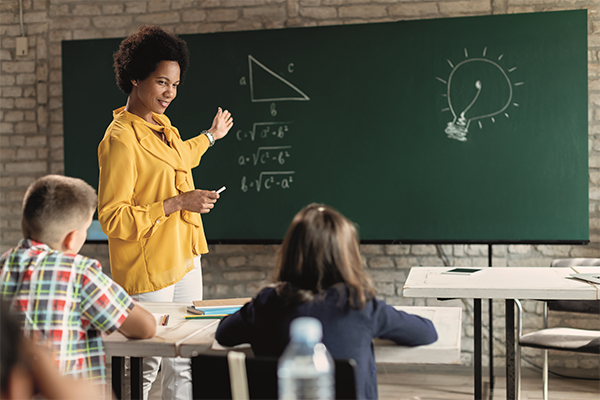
{"points": [[197, 147], [400, 327], [119, 216]]}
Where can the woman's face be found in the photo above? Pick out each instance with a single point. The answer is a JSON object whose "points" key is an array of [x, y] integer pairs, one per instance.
{"points": [[155, 93]]}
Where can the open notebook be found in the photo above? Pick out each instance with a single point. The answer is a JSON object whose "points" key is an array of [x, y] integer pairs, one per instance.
{"points": [[593, 278]]}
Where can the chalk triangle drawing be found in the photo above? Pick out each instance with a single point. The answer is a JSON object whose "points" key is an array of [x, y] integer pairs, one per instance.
{"points": [[263, 86]]}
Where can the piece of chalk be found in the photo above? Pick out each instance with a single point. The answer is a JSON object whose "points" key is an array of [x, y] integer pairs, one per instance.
{"points": [[220, 190]]}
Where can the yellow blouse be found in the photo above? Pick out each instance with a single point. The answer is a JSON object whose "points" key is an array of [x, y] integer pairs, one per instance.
{"points": [[148, 250]]}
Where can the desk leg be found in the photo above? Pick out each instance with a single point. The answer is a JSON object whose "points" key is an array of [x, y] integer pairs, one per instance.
{"points": [[137, 389], [491, 325], [477, 359], [117, 373], [491, 344], [510, 349]]}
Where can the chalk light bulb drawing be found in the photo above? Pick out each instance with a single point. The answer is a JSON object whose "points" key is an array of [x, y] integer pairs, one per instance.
{"points": [[477, 88]]}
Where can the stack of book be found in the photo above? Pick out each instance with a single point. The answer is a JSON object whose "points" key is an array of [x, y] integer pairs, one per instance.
{"points": [[215, 309]]}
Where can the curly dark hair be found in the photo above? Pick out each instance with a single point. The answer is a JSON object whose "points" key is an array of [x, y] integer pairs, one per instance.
{"points": [[139, 55]]}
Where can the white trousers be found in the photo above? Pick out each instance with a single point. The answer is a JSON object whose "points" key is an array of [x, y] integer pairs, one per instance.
{"points": [[176, 373]]}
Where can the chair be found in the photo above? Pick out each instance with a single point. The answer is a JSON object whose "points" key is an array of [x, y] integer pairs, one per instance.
{"points": [[560, 338], [211, 377]]}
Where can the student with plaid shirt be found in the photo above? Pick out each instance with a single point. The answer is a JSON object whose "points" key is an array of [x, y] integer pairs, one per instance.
{"points": [[60, 295]]}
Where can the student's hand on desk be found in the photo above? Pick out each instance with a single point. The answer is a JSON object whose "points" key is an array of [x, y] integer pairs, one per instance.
{"points": [[139, 324], [222, 123]]}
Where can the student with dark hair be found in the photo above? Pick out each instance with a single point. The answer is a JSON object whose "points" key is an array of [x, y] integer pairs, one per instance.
{"points": [[27, 370], [60, 295], [148, 205], [320, 274]]}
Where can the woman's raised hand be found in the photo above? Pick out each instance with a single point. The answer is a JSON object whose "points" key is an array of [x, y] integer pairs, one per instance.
{"points": [[222, 123]]}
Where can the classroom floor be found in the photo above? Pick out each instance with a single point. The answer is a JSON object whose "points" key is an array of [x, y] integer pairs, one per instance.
{"points": [[415, 382], [412, 382]]}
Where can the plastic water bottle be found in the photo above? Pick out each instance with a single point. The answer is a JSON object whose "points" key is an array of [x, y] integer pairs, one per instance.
{"points": [[305, 369]]}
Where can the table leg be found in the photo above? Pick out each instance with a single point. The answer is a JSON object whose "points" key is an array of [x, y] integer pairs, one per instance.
{"points": [[510, 349], [491, 344], [491, 325], [477, 356], [137, 389], [117, 373]]}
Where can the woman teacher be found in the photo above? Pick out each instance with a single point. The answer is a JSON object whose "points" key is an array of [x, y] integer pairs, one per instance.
{"points": [[148, 205]]}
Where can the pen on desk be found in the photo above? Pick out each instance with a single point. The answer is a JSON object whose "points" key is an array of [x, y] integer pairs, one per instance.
{"points": [[165, 320]]}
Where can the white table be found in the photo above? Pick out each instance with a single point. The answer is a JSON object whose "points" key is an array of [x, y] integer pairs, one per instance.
{"points": [[541, 283], [509, 283], [187, 338], [446, 350]]}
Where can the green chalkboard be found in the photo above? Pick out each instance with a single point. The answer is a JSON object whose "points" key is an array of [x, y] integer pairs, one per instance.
{"points": [[461, 130]]}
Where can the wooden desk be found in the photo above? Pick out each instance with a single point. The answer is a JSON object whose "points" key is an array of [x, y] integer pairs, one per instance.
{"points": [[165, 344], [168, 338], [509, 283]]}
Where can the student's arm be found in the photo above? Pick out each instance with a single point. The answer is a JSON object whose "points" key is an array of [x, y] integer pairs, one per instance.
{"points": [[401, 327], [237, 328], [232, 330], [140, 324], [241, 326], [108, 307]]}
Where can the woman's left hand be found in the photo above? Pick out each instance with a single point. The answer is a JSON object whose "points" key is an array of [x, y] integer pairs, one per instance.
{"points": [[222, 123]]}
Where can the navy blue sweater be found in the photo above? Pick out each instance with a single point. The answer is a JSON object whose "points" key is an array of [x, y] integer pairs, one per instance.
{"points": [[347, 332]]}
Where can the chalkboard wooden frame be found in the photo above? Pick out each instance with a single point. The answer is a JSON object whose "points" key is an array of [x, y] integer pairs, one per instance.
{"points": [[368, 119]]}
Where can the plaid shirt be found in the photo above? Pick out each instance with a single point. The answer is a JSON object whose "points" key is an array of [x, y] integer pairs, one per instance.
{"points": [[69, 300]]}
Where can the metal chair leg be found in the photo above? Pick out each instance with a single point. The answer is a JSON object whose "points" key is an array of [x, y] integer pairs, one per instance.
{"points": [[545, 375]]}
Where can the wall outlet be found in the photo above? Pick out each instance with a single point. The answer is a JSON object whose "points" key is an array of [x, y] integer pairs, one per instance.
{"points": [[22, 46]]}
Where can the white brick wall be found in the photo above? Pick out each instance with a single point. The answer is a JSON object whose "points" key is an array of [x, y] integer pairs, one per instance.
{"points": [[31, 142]]}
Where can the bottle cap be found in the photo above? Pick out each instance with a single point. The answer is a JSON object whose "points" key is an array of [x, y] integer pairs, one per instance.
{"points": [[306, 328]]}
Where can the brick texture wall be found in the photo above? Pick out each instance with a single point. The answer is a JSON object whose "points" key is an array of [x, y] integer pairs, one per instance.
{"points": [[31, 129]]}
